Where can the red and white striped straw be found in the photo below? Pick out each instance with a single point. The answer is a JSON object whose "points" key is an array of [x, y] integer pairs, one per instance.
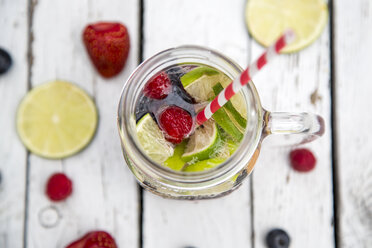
{"points": [[243, 79]]}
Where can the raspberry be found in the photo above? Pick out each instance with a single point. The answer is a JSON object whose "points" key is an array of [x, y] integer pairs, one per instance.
{"points": [[302, 160], [58, 187], [176, 123], [100, 239], [158, 87], [95, 239]]}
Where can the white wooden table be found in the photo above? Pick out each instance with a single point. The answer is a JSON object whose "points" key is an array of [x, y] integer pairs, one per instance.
{"points": [[329, 207]]}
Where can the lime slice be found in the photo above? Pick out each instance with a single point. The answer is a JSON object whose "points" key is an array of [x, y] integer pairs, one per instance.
{"points": [[201, 87], [224, 121], [237, 102], [235, 122], [190, 77], [56, 119], [229, 107], [204, 165], [175, 162], [203, 143], [267, 19], [152, 140]]}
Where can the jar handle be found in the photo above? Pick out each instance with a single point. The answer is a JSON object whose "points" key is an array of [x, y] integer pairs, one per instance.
{"points": [[305, 125]]}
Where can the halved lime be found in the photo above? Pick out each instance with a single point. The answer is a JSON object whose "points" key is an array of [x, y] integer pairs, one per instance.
{"points": [[267, 19], [175, 162], [152, 140], [203, 143], [204, 165], [56, 119]]}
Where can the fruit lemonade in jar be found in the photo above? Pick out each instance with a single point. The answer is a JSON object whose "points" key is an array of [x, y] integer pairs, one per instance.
{"points": [[165, 118]]}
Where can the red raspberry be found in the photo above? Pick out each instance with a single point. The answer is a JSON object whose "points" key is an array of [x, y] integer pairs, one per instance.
{"points": [[158, 87], [107, 44], [58, 187], [100, 239], [302, 160], [96, 239], [176, 123]]}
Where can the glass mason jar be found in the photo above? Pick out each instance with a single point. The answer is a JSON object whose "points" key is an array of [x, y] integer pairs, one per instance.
{"points": [[226, 177]]}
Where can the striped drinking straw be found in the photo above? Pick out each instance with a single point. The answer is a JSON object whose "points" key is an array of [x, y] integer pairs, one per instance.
{"points": [[243, 79]]}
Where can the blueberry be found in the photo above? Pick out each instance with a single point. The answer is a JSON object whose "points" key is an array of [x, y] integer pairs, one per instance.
{"points": [[142, 107], [277, 238], [179, 90], [5, 61], [175, 73]]}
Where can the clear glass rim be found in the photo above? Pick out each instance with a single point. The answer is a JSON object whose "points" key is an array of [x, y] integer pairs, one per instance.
{"points": [[226, 168]]}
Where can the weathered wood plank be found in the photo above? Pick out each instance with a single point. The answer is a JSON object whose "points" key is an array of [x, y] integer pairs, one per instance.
{"points": [[299, 203], [221, 222], [105, 193], [353, 53], [13, 85]]}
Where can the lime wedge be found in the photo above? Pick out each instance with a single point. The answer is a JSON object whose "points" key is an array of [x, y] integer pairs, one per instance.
{"points": [[191, 76], [267, 19], [237, 101], [204, 165], [56, 119], [175, 162], [229, 107], [200, 87], [203, 143], [199, 82], [152, 140], [224, 121]]}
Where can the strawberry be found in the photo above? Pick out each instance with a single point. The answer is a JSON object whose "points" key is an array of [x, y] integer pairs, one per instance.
{"points": [[158, 87], [58, 187], [177, 124], [95, 239], [108, 45], [302, 160]]}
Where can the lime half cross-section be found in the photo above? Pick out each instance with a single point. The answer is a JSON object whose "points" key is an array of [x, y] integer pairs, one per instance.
{"points": [[267, 19], [56, 119]]}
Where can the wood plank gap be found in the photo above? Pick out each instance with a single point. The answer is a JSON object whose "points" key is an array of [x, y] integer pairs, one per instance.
{"points": [[251, 188], [141, 31], [30, 38], [251, 196], [30, 58], [140, 59], [140, 216], [25, 221], [335, 173]]}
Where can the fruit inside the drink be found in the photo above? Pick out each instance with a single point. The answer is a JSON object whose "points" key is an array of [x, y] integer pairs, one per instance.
{"points": [[166, 112]]}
